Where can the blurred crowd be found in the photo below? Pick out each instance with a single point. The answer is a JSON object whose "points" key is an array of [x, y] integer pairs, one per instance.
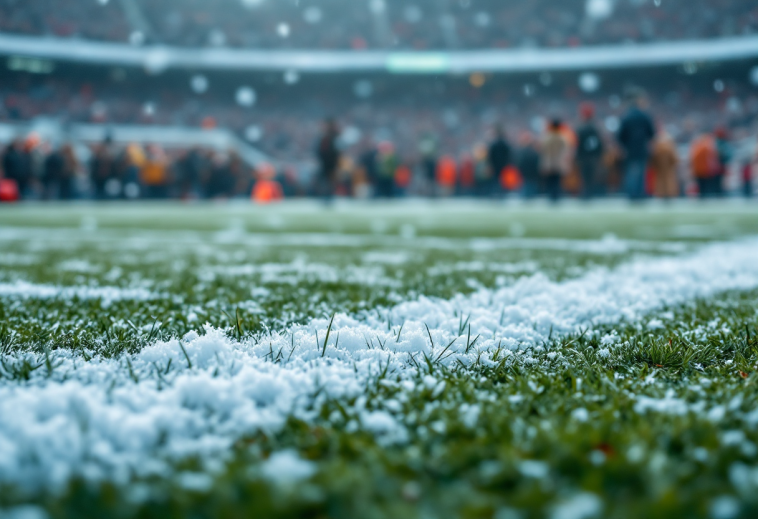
{"points": [[34, 169], [640, 159], [380, 24], [431, 135], [285, 117]]}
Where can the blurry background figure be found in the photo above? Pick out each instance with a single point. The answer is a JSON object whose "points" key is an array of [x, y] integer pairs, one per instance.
{"points": [[483, 174], [368, 162], [131, 163], [447, 176], [664, 160], [241, 177], [613, 165], [328, 155], [403, 179], [466, 175], [747, 178], [190, 171], [499, 157], [704, 163], [59, 173], [102, 168], [155, 174], [266, 188], [589, 153], [387, 168], [34, 153], [748, 174], [511, 180], [635, 135], [529, 164], [221, 181], [555, 159], [724, 153], [348, 171], [15, 168], [429, 152]]}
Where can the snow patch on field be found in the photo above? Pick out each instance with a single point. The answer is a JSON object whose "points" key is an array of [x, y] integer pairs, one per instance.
{"points": [[125, 239], [108, 295], [114, 419], [301, 270]]}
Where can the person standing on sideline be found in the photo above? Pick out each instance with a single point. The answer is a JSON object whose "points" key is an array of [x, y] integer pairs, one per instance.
{"points": [[664, 160], [15, 166], [747, 175], [589, 152], [747, 179], [102, 167], [555, 159], [725, 154], [328, 155], [429, 152], [498, 158], [529, 165], [53, 174], [154, 175], [388, 163], [635, 135], [704, 163]]}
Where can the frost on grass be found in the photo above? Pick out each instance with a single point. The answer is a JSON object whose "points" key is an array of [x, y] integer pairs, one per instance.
{"points": [[287, 468], [108, 295], [113, 419]]}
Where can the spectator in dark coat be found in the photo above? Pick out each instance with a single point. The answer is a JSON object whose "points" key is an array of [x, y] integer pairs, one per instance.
{"points": [[498, 158], [635, 136], [15, 165], [102, 167], [328, 155], [589, 153], [54, 171], [529, 165]]}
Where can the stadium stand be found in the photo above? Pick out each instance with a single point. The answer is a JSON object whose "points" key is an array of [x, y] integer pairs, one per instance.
{"points": [[381, 24], [285, 118]]}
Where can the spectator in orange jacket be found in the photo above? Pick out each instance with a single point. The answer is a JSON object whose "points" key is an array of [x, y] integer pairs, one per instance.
{"points": [[447, 176], [154, 174], [664, 161]]}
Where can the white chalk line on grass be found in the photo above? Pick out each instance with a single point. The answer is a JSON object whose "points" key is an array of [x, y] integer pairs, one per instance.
{"points": [[116, 419]]}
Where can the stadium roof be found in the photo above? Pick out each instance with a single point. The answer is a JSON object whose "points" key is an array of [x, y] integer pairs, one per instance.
{"points": [[159, 58]]}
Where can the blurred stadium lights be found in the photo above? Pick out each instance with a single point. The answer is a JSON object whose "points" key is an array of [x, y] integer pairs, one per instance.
{"points": [[31, 65], [421, 62], [156, 59]]}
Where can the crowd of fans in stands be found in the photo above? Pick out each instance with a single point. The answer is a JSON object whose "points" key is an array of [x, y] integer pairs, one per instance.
{"points": [[39, 170], [381, 24], [284, 120], [639, 159]]}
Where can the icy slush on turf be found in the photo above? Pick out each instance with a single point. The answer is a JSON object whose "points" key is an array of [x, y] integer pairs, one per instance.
{"points": [[375, 376]]}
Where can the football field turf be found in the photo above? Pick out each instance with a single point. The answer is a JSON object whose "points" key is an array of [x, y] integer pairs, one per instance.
{"points": [[406, 360]]}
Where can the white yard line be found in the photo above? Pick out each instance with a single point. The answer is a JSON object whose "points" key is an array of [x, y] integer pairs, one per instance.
{"points": [[92, 419]]}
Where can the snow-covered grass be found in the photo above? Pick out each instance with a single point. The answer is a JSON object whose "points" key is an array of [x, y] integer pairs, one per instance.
{"points": [[448, 361]]}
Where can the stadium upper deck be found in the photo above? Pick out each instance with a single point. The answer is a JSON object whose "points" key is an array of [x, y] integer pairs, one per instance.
{"points": [[380, 24]]}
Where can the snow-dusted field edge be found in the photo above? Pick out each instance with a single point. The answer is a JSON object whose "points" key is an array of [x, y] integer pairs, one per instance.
{"points": [[112, 419]]}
